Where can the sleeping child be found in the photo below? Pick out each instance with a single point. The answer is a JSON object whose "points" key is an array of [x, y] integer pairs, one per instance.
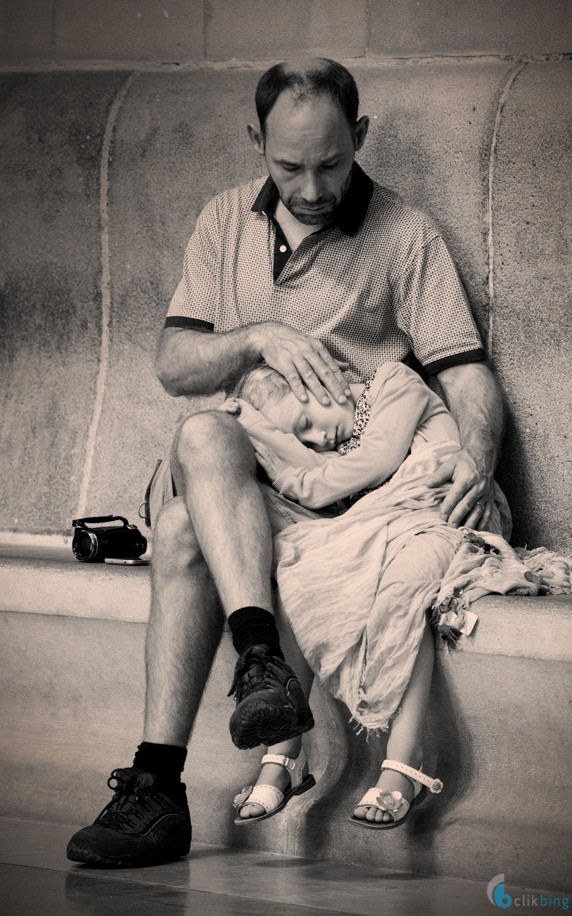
{"points": [[358, 589]]}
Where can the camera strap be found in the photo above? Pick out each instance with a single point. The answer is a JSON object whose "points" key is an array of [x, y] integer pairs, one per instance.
{"points": [[98, 520]]}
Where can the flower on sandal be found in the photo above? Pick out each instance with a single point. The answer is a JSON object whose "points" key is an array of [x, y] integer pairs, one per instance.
{"points": [[389, 802], [242, 796]]}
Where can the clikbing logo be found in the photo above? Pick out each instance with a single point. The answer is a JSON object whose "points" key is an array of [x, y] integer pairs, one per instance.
{"points": [[496, 892], [498, 896]]}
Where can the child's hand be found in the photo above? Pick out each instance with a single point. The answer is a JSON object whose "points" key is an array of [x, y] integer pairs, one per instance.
{"points": [[244, 412], [231, 406]]}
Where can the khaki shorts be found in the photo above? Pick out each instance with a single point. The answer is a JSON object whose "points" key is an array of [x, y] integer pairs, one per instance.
{"points": [[282, 512]]}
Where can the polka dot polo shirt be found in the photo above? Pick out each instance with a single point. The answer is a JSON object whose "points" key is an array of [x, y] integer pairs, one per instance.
{"points": [[377, 284]]}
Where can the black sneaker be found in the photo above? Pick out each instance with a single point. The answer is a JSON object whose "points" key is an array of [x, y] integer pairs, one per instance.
{"points": [[270, 704], [140, 825]]}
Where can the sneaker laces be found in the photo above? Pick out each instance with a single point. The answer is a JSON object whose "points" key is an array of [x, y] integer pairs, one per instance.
{"points": [[252, 673], [134, 799]]}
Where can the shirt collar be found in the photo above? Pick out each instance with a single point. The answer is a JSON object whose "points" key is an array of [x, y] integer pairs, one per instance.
{"points": [[349, 215]]}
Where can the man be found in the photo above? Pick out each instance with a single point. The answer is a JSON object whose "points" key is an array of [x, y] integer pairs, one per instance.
{"points": [[314, 267]]}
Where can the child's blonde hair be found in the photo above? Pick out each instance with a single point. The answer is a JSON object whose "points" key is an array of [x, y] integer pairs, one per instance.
{"points": [[260, 385]]}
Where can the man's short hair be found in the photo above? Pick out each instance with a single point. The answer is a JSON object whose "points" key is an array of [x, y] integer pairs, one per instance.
{"points": [[322, 77], [260, 385]]}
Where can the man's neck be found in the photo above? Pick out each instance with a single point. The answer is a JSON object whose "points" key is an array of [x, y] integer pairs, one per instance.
{"points": [[294, 231]]}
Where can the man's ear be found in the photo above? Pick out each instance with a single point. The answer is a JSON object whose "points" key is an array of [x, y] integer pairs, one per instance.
{"points": [[256, 138], [360, 132]]}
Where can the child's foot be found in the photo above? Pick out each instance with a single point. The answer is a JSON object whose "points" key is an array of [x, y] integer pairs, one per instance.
{"points": [[389, 781], [272, 774]]}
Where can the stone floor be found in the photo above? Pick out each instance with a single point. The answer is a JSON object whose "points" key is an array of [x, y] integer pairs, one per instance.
{"points": [[37, 880]]}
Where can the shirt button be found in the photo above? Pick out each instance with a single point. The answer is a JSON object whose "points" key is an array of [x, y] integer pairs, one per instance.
{"points": [[283, 249]]}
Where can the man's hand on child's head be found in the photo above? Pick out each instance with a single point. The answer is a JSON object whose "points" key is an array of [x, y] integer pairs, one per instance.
{"points": [[303, 361]]}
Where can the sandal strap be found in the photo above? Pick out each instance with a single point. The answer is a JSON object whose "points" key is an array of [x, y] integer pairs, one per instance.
{"points": [[294, 765], [434, 785], [289, 763]]}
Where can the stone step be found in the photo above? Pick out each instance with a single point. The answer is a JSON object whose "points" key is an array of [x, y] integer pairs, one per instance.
{"points": [[71, 682], [223, 881]]}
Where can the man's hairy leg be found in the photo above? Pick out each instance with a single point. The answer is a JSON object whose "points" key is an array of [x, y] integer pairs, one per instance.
{"points": [[184, 631], [148, 821], [215, 467]]}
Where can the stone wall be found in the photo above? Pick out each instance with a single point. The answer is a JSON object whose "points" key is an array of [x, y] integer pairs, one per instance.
{"points": [[181, 31], [119, 121]]}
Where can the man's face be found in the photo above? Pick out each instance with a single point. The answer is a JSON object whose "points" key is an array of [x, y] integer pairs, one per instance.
{"points": [[309, 149], [320, 427]]}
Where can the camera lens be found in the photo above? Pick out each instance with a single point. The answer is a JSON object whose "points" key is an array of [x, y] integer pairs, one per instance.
{"points": [[84, 544]]}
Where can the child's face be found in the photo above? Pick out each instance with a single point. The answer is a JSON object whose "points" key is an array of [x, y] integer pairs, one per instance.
{"points": [[317, 426]]}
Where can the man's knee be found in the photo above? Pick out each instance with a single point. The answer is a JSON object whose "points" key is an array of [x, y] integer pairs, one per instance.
{"points": [[210, 438]]}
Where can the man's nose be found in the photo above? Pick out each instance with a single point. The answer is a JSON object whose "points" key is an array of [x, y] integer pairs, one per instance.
{"points": [[312, 190]]}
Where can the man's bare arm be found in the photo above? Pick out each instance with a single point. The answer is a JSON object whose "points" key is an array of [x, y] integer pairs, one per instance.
{"points": [[195, 362], [475, 400], [192, 362]]}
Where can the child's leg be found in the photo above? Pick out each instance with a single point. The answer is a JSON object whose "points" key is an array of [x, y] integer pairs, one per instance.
{"points": [[423, 560], [271, 773], [406, 736]]}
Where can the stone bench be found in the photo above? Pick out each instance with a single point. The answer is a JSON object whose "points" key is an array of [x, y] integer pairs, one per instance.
{"points": [[72, 687]]}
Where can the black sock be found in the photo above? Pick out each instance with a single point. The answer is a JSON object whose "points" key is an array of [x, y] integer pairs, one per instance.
{"points": [[166, 761], [253, 626]]}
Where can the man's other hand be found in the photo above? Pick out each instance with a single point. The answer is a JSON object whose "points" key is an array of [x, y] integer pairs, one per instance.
{"points": [[470, 499]]}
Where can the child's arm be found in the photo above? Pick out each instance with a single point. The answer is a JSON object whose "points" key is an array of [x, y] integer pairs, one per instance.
{"points": [[318, 479], [395, 414], [274, 448]]}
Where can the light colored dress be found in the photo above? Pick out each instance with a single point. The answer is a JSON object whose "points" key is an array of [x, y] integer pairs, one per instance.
{"points": [[356, 588]]}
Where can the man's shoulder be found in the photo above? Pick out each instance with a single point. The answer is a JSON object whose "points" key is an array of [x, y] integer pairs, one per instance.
{"points": [[239, 199], [389, 212]]}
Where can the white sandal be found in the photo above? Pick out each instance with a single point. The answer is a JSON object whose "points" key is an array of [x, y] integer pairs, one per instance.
{"points": [[393, 802], [271, 799]]}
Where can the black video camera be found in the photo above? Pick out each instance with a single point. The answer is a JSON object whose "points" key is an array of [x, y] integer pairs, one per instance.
{"points": [[120, 542]]}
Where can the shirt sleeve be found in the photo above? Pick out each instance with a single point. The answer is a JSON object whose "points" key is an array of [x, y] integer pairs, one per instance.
{"points": [[434, 311], [400, 402], [195, 303]]}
